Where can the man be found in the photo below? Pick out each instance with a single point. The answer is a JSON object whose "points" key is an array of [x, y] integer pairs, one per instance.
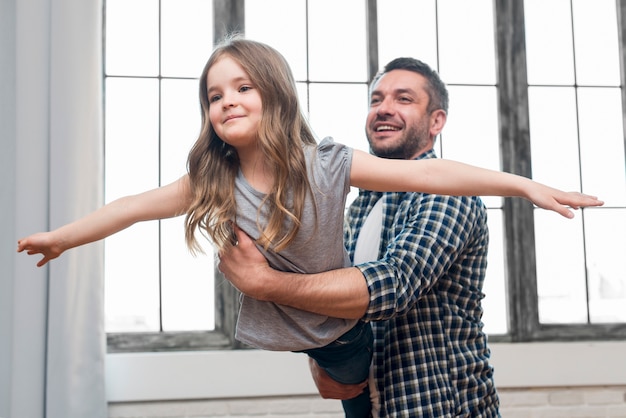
{"points": [[423, 294]]}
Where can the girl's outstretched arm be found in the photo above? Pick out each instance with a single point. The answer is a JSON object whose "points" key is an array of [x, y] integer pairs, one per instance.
{"points": [[438, 176], [163, 202]]}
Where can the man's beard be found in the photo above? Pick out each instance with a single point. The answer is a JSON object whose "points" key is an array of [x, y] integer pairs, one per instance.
{"points": [[412, 142]]}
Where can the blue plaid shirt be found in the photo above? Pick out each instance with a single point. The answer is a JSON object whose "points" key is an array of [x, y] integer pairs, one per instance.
{"points": [[430, 353]]}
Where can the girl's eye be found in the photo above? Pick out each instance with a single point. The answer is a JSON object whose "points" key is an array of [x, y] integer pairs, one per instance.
{"points": [[245, 88], [215, 98]]}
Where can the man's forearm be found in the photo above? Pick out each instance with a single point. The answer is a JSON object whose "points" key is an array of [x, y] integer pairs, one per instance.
{"points": [[341, 293]]}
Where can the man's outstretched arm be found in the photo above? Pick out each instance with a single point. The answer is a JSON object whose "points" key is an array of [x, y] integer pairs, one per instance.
{"points": [[340, 293]]}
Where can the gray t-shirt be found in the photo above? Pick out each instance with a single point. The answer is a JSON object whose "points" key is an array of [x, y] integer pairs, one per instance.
{"points": [[317, 247]]}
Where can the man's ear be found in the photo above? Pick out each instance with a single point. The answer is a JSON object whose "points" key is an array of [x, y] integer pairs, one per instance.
{"points": [[437, 121]]}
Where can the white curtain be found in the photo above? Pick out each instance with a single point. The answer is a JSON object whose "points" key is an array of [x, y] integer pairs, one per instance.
{"points": [[52, 327]]}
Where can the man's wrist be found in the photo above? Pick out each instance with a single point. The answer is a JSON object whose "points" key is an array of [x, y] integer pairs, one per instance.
{"points": [[269, 285]]}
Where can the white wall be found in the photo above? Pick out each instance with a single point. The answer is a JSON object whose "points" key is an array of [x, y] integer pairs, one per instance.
{"points": [[515, 403], [252, 373], [576, 379]]}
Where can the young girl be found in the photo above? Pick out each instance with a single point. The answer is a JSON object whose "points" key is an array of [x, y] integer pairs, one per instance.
{"points": [[256, 164]]}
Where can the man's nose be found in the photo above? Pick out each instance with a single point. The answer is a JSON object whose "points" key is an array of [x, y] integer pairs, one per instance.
{"points": [[385, 107]]}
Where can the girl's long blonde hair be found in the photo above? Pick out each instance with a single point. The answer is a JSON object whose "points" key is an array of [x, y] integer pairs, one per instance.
{"points": [[283, 133]]}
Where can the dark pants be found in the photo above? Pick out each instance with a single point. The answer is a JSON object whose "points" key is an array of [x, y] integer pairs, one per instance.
{"points": [[347, 360]]}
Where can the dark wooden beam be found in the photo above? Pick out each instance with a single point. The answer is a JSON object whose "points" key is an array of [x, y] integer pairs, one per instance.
{"points": [[229, 17], [371, 11], [515, 157]]}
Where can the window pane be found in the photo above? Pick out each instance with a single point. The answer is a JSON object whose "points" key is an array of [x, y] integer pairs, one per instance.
{"points": [[561, 284], [471, 131], [186, 36], [132, 136], [577, 144], [337, 50], [602, 144], [131, 278], [605, 230], [561, 281], [180, 126], [549, 52], [596, 41], [132, 258], [187, 281], [339, 110], [495, 314], [416, 26], [303, 97], [261, 26], [466, 41], [554, 137], [132, 37]]}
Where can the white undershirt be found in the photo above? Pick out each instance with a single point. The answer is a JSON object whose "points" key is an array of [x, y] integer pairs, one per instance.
{"points": [[367, 246], [368, 243]]}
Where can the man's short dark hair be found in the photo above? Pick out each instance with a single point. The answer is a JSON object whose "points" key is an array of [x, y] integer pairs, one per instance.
{"points": [[436, 89]]}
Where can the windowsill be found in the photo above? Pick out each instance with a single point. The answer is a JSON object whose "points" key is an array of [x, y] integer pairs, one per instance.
{"points": [[248, 373]]}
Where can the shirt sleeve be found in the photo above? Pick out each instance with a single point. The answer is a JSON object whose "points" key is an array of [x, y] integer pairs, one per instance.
{"points": [[334, 163], [421, 249]]}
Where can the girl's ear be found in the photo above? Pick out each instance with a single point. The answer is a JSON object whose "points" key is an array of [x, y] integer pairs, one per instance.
{"points": [[437, 121]]}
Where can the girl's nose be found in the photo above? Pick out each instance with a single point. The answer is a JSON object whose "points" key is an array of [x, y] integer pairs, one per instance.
{"points": [[228, 101]]}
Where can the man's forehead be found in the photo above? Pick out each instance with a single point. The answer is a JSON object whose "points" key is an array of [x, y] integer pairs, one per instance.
{"points": [[398, 81]]}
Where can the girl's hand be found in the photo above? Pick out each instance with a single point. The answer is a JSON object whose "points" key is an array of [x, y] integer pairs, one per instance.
{"points": [[40, 243], [559, 201]]}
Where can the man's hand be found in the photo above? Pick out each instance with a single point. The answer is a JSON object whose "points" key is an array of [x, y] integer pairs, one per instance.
{"points": [[243, 265], [331, 389]]}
